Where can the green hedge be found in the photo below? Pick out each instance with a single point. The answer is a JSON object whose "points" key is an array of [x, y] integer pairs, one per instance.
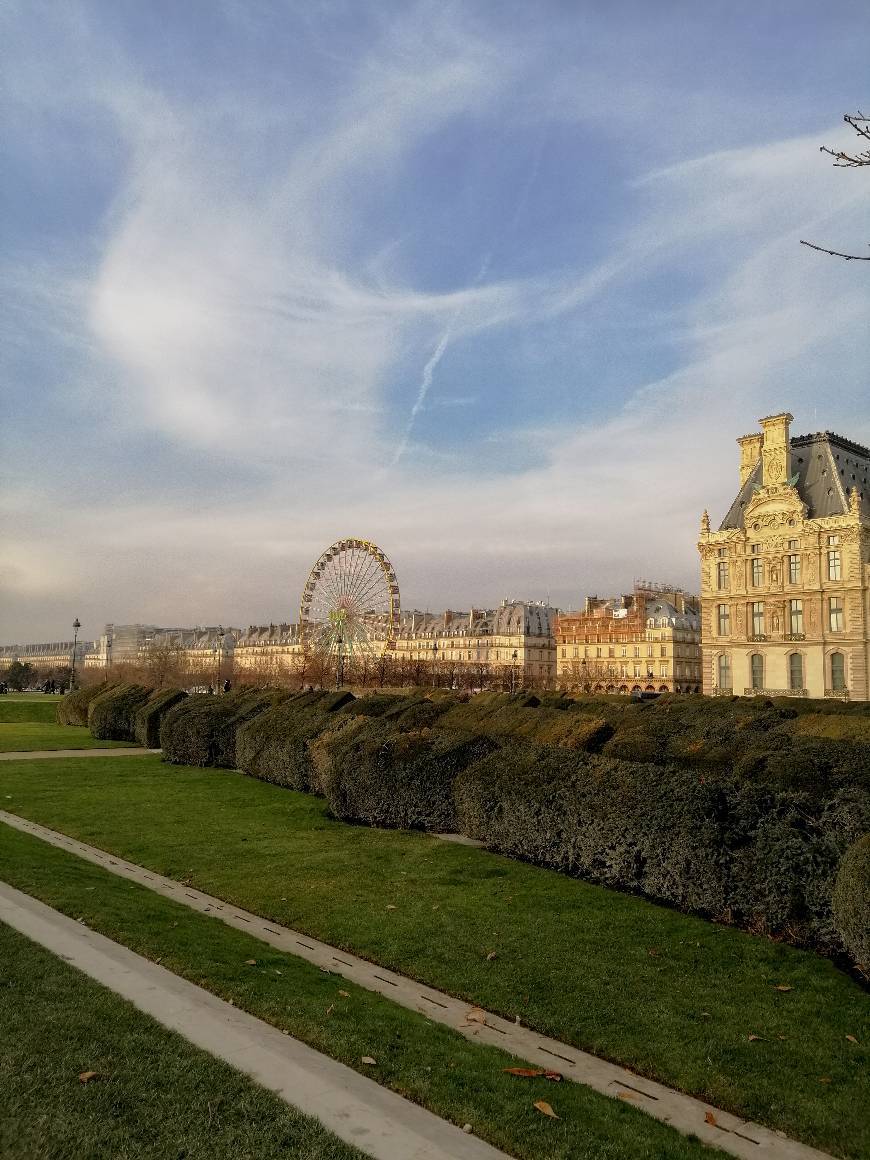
{"points": [[275, 746], [112, 715], [852, 901], [73, 708], [397, 779], [146, 726], [201, 730], [763, 856]]}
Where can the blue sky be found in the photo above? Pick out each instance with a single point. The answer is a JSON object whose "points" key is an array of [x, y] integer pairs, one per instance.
{"points": [[496, 285]]}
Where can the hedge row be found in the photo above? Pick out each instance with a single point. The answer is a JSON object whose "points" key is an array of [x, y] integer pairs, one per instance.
{"points": [[274, 746], [201, 730], [148, 719], [73, 708], [112, 714]]}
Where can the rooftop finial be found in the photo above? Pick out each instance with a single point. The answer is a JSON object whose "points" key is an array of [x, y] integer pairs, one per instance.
{"points": [[705, 523]]}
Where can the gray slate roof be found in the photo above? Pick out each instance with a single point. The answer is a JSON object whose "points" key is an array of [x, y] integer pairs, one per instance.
{"points": [[827, 467]]}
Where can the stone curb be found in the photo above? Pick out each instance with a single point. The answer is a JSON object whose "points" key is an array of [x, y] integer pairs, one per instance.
{"points": [[691, 1116], [355, 1108], [42, 754]]}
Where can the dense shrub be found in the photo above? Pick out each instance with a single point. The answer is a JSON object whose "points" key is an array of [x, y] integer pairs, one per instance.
{"points": [[275, 745], [531, 720], [112, 715], [146, 725], [761, 856], [201, 730], [398, 778], [852, 901], [73, 708]]}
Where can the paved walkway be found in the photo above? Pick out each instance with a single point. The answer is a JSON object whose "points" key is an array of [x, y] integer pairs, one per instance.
{"points": [[356, 1108], [685, 1113], [120, 751]]}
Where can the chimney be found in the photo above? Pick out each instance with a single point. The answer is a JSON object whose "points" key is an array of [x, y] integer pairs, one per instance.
{"points": [[750, 453], [776, 449]]}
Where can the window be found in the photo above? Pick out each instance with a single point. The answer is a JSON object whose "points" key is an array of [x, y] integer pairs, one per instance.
{"points": [[611, 652], [721, 552], [757, 571], [565, 652], [649, 650], [833, 541], [795, 617], [838, 672], [835, 614], [834, 563], [664, 650], [756, 670], [755, 549], [722, 574], [794, 569], [724, 619], [757, 618], [724, 671], [663, 670], [637, 670], [624, 651], [636, 651], [598, 652], [795, 671]]}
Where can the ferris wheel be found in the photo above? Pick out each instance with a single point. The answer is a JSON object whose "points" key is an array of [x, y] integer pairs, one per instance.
{"points": [[350, 603]]}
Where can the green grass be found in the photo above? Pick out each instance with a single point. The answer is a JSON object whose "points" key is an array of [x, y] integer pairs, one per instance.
{"points": [[27, 736], [669, 995], [157, 1095], [430, 1064], [28, 707]]}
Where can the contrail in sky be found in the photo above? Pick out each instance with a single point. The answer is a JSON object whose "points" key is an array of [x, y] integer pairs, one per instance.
{"points": [[444, 341]]}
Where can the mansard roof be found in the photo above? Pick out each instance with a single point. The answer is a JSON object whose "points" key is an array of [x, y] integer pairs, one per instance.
{"points": [[825, 467]]}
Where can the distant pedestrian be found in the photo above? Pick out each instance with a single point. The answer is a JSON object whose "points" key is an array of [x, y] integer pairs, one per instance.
{"points": [[211, 690], [226, 686]]}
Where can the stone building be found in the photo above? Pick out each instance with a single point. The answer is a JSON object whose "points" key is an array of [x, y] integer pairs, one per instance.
{"points": [[646, 641], [785, 578], [45, 658]]}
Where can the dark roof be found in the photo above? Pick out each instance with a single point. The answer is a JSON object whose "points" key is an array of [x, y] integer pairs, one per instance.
{"points": [[826, 467]]}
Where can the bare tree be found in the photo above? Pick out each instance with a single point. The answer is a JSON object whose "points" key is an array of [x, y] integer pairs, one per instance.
{"points": [[844, 160]]}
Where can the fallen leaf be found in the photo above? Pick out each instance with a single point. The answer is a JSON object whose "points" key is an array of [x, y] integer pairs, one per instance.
{"points": [[87, 1076], [368, 1059], [545, 1109], [436, 906], [467, 1129], [492, 955], [391, 908], [653, 953], [475, 1015], [783, 987], [753, 1038], [330, 1008], [346, 994], [525, 1072], [851, 1038], [709, 1118], [626, 1095], [824, 1079], [250, 962]]}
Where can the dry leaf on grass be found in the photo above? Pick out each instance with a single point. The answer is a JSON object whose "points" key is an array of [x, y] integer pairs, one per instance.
{"points": [[87, 1076], [492, 955], [709, 1118], [346, 994], [851, 1038], [545, 1109], [753, 1038], [824, 1079], [783, 987], [533, 1073], [250, 962], [368, 1059], [391, 907]]}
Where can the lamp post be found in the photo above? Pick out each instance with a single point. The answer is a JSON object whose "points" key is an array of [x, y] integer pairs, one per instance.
{"points": [[434, 663], [584, 676], [513, 670], [72, 677]]}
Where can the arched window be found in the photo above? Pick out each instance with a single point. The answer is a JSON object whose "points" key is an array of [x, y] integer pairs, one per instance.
{"points": [[795, 671], [756, 670], [724, 671], [838, 672]]}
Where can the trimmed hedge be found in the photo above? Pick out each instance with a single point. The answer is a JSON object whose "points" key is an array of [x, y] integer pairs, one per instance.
{"points": [[112, 715], [852, 901], [401, 780], [73, 708], [146, 725], [762, 856], [201, 729], [275, 746]]}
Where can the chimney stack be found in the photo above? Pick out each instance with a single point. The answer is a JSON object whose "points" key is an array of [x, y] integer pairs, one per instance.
{"points": [[776, 449], [750, 453]]}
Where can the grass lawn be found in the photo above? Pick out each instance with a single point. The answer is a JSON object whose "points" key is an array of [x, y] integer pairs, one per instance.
{"points": [[671, 996], [157, 1095], [28, 707], [24, 736], [426, 1062]]}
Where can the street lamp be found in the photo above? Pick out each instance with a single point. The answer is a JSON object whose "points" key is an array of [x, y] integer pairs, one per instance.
{"points": [[434, 661], [72, 678], [219, 654], [513, 670]]}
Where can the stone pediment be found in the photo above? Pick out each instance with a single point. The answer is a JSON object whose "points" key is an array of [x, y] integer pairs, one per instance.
{"points": [[774, 507]]}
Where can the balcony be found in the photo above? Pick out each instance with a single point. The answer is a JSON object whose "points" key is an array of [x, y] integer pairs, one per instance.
{"points": [[794, 636], [776, 692], [837, 694], [758, 636]]}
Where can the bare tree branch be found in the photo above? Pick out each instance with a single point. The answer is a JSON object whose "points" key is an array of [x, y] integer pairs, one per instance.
{"points": [[837, 253]]}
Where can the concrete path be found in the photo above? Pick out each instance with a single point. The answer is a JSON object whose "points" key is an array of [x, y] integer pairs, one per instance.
{"points": [[356, 1108], [685, 1113], [121, 751]]}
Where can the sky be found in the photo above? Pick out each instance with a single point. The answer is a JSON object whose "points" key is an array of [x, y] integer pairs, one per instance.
{"points": [[495, 285]]}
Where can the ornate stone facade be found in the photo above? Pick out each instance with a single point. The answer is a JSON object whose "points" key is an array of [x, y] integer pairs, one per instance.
{"points": [[785, 579]]}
